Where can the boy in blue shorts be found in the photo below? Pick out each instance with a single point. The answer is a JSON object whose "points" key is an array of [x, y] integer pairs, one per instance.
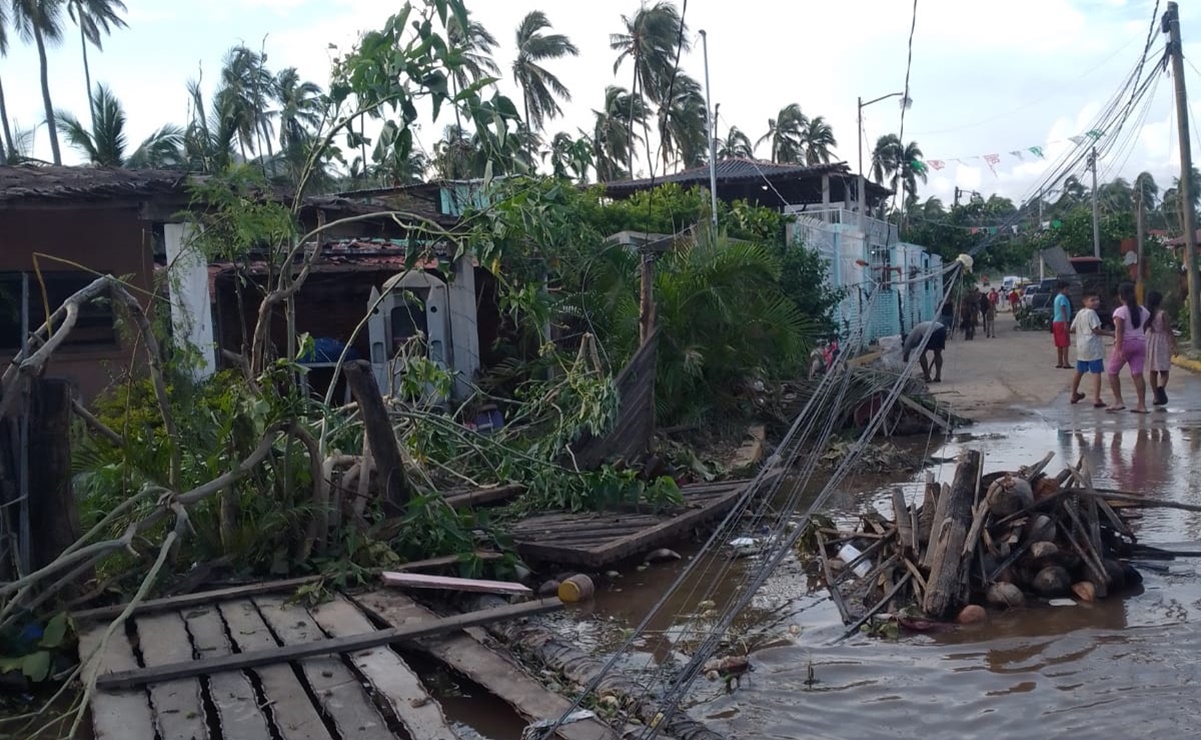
{"points": [[1089, 349]]}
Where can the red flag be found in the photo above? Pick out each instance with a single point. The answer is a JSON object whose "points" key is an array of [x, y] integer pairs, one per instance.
{"points": [[992, 160]]}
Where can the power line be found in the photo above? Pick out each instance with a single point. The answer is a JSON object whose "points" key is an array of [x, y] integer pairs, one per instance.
{"points": [[904, 107]]}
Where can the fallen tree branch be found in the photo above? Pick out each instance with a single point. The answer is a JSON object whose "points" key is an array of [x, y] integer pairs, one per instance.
{"points": [[90, 420]]}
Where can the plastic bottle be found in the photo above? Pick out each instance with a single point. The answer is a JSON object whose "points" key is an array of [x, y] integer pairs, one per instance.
{"points": [[849, 552]]}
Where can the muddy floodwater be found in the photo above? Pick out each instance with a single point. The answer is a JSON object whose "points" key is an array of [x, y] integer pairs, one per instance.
{"points": [[1129, 666]]}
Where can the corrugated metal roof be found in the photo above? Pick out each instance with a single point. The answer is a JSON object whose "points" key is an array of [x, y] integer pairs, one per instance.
{"points": [[730, 170]]}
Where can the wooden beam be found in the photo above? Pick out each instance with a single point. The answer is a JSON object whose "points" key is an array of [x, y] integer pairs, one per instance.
{"points": [[289, 653], [446, 560], [447, 583], [186, 601]]}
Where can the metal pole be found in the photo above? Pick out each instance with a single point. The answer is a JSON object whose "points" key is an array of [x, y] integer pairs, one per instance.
{"points": [[1139, 286], [862, 182], [1172, 19], [1092, 160], [712, 127]]}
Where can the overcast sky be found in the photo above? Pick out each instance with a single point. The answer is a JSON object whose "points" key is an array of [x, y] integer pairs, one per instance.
{"points": [[987, 77]]}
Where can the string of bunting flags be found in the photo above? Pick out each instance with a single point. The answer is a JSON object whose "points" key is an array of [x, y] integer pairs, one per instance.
{"points": [[1030, 153]]}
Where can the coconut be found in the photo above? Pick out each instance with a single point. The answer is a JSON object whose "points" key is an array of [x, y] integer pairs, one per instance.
{"points": [[1006, 595], [550, 588], [972, 614], [1041, 529], [1116, 573], [1133, 577], [1043, 550], [1085, 591], [1052, 581], [1045, 487]]}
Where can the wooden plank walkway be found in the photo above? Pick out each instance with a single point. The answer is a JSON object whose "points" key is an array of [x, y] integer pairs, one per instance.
{"points": [[365, 694], [597, 539]]}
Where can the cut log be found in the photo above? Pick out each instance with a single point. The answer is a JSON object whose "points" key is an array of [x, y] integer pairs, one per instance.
{"points": [[944, 592], [925, 519], [940, 514], [905, 532]]}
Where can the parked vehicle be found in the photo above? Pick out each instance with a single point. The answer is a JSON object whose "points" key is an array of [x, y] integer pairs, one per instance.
{"points": [[1010, 282]]}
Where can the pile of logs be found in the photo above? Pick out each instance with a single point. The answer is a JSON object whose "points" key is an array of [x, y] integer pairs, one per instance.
{"points": [[999, 540]]}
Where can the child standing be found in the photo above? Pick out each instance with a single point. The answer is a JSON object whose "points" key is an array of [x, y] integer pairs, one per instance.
{"points": [[1089, 350], [1161, 345]]}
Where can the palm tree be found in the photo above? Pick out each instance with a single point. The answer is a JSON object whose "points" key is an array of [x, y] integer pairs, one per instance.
{"points": [[246, 85], [300, 106], [911, 169], [652, 39], [785, 133], [96, 19], [682, 124], [453, 154], [1145, 185], [736, 144], [540, 90], [570, 158], [104, 143], [472, 58], [1116, 195], [41, 21], [818, 139], [886, 159], [21, 150], [9, 148], [613, 136], [209, 138]]}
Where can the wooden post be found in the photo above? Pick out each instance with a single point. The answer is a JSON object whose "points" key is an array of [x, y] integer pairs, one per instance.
{"points": [[944, 593], [53, 515], [646, 304], [384, 447], [1171, 20]]}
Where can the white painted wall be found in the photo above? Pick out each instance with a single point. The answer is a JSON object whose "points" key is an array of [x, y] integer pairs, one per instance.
{"points": [[188, 289], [464, 327]]}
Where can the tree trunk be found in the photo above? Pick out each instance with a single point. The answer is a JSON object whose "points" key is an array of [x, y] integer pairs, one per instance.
{"points": [[945, 587], [51, 128], [87, 74], [630, 118], [8, 133], [53, 516], [388, 463]]}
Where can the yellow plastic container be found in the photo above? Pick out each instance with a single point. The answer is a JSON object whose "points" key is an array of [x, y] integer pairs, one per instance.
{"points": [[576, 589]]}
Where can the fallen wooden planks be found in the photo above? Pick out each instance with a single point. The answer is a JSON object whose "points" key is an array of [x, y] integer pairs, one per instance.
{"points": [[238, 712], [494, 671], [202, 598], [472, 585], [117, 714], [391, 678], [178, 702], [287, 653]]}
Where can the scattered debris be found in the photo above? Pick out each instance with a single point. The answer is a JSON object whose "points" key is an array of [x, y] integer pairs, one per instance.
{"points": [[449, 583], [1000, 540]]}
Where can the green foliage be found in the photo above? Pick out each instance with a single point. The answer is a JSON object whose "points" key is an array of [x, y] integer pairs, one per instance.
{"points": [[31, 655], [1033, 319]]}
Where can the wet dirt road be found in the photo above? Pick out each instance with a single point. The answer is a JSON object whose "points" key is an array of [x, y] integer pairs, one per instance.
{"points": [[1126, 667]]}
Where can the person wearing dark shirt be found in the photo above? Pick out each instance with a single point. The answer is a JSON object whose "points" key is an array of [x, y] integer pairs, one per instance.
{"points": [[937, 343]]}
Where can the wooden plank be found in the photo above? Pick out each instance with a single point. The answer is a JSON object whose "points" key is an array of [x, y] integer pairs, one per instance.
{"points": [[496, 672], [289, 653], [485, 496], [448, 583], [445, 560], [288, 704], [238, 712], [178, 703], [186, 601], [338, 690], [394, 681], [117, 714], [629, 544]]}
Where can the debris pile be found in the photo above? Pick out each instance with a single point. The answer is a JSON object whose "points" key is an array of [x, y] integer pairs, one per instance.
{"points": [[999, 540]]}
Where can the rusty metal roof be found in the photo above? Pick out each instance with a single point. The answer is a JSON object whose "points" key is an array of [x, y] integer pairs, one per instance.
{"points": [[40, 182]]}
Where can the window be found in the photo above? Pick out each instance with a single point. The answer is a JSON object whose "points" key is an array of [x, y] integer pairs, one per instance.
{"points": [[94, 328]]}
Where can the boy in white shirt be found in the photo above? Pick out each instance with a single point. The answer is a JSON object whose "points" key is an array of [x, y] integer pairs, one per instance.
{"points": [[1089, 349]]}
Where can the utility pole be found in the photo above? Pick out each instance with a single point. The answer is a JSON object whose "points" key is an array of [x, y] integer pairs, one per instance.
{"points": [[711, 114], [1092, 163], [862, 194], [1139, 286], [1171, 22]]}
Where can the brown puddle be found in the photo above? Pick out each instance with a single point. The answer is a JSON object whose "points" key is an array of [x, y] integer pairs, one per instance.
{"points": [[1127, 666]]}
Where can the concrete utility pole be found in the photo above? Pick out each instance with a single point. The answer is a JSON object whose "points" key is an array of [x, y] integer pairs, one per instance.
{"points": [[711, 114], [1171, 22], [1140, 232], [1092, 163]]}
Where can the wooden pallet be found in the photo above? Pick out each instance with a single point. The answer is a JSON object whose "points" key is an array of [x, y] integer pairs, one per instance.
{"points": [[365, 694], [597, 539]]}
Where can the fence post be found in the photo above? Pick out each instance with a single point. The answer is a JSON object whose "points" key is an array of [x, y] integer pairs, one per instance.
{"points": [[53, 513]]}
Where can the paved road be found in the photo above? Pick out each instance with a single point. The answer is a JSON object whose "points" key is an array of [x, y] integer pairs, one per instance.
{"points": [[1013, 376]]}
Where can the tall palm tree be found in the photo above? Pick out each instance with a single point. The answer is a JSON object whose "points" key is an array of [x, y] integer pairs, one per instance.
{"points": [[1145, 185], [540, 90], [104, 143], [785, 133], [300, 106], [613, 136], [736, 144], [1116, 195], [818, 139], [41, 21], [652, 39], [246, 86], [682, 124], [211, 135], [910, 169], [96, 19], [886, 159], [10, 149], [472, 58]]}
